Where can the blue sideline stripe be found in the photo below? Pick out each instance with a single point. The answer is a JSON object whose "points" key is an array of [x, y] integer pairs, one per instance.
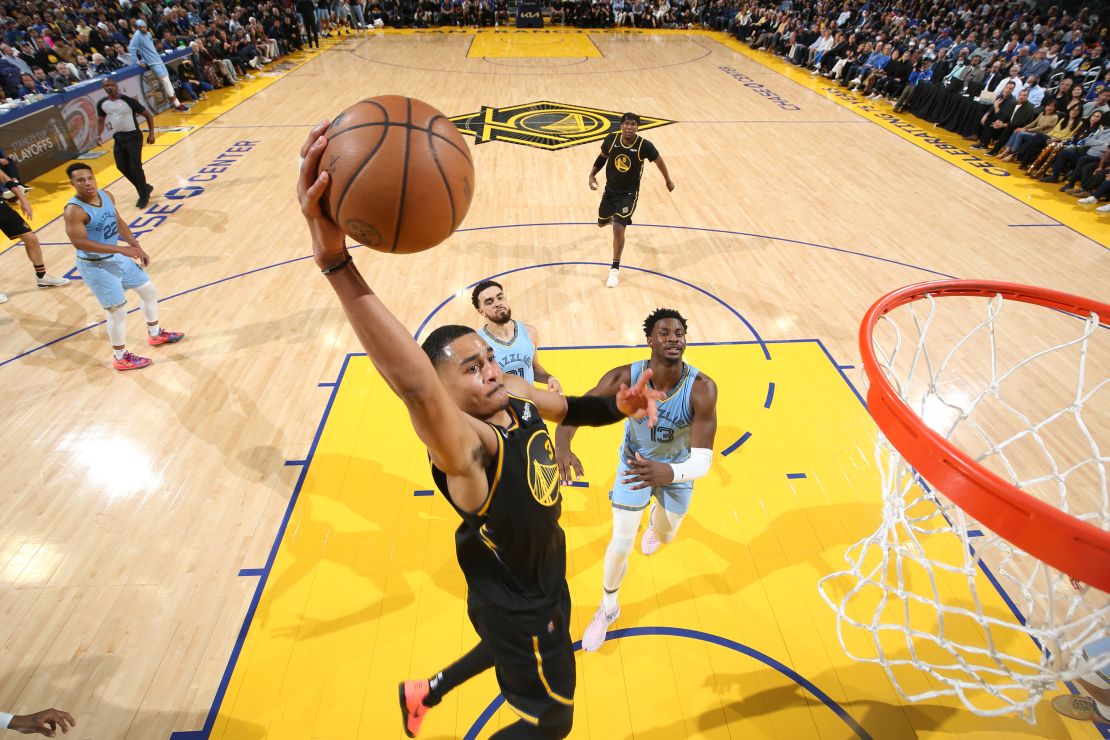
{"points": [[294, 463], [736, 445], [770, 395], [251, 571], [423, 492], [795, 476]]}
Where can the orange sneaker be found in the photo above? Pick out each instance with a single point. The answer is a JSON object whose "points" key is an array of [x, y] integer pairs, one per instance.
{"points": [[165, 337], [130, 362], [411, 694]]}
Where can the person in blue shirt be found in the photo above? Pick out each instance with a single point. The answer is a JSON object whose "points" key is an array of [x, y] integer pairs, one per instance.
{"points": [[922, 74], [657, 464], [95, 228], [144, 53], [514, 342]]}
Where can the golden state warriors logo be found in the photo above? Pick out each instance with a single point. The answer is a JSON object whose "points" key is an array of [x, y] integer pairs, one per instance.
{"points": [[543, 473], [622, 163], [545, 125]]}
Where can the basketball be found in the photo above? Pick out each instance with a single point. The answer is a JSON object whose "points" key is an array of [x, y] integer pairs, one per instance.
{"points": [[401, 174]]}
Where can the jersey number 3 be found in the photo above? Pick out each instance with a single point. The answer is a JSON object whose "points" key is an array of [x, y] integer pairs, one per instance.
{"points": [[662, 434]]}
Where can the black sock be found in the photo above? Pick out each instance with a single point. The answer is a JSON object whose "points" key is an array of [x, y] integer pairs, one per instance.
{"points": [[478, 660], [616, 265], [40, 270]]}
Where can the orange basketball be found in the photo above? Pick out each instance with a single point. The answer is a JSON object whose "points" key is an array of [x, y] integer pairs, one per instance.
{"points": [[401, 174]]}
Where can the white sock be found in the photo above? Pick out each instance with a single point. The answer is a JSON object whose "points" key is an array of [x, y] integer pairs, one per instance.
{"points": [[625, 524], [118, 353]]}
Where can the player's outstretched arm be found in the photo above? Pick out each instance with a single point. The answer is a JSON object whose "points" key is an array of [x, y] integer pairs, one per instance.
{"points": [[570, 467], [451, 439]]}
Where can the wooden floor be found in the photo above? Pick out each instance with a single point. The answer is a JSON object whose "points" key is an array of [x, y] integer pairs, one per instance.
{"points": [[176, 542]]}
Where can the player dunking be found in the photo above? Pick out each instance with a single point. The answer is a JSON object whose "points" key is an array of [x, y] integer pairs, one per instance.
{"points": [[659, 462], [622, 156], [514, 342], [494, 462]]}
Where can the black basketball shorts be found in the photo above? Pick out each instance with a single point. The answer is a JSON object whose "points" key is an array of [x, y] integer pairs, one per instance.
{"points": [[617, 207], [11, 223], [533, 659]]}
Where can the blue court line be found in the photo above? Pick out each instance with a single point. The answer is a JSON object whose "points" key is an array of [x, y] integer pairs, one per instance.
{"points": [[770, 395], [325, 385], [423, 492], [506, 226], [845, 367], [712, 639], [703, 291], [248, 618], [974, 533], [294, 463], [251, 571], [795, 476], [736, 445]]}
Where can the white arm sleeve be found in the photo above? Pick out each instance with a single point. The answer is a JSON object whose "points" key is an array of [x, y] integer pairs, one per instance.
{"points": [[5, 720], [696, 467]]}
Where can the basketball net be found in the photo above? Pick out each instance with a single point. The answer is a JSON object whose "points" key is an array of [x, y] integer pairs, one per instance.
{"points": [[936, 596]]}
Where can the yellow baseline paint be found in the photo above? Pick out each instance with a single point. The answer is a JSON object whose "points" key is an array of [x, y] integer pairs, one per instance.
{"points": [[528, 43], [948, 146], [365, 590], [52, 188]]}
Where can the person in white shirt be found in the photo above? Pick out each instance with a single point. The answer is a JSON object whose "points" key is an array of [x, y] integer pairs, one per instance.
{"points": [[1015, 77], [44, 722], [1036, 92]]}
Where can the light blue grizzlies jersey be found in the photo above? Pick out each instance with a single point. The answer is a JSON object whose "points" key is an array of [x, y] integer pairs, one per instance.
{"points": [[669, 440], [516, 356], [102, 227]]}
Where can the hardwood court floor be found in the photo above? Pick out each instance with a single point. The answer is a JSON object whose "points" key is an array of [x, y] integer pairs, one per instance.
{"points": [[141, 511]]}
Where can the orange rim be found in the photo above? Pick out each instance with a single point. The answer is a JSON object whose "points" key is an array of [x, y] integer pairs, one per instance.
{"points": [[1077, 548]]}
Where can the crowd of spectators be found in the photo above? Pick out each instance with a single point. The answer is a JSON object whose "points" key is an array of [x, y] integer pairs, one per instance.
{"points": [[1041, 76]]}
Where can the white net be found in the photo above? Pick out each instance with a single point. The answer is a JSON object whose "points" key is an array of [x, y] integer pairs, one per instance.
{"points": [[945, 605]]}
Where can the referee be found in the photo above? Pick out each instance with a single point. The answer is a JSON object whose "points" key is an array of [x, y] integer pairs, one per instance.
{"points": [[120, 115]]}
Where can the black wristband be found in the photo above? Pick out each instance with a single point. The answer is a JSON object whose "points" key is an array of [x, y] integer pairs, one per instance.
{"points": [[337, 266], [591, 411]]}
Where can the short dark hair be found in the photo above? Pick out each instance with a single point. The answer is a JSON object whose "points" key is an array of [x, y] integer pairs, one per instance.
{"points": [[660, 314], [630, 117], [435, 345], [482, 286], [77, 166]]}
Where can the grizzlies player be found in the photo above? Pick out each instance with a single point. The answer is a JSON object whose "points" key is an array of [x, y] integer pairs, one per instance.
{"points": [[493, 461], [657, 464], [95, 228], [622, 156], [514, 342]]}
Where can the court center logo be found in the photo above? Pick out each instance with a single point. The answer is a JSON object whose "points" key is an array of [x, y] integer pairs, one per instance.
{"points": [[545, 125], [543, 473]]}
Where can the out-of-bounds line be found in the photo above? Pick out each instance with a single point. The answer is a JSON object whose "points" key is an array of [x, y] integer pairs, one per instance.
{"points": [[736, 445]]}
